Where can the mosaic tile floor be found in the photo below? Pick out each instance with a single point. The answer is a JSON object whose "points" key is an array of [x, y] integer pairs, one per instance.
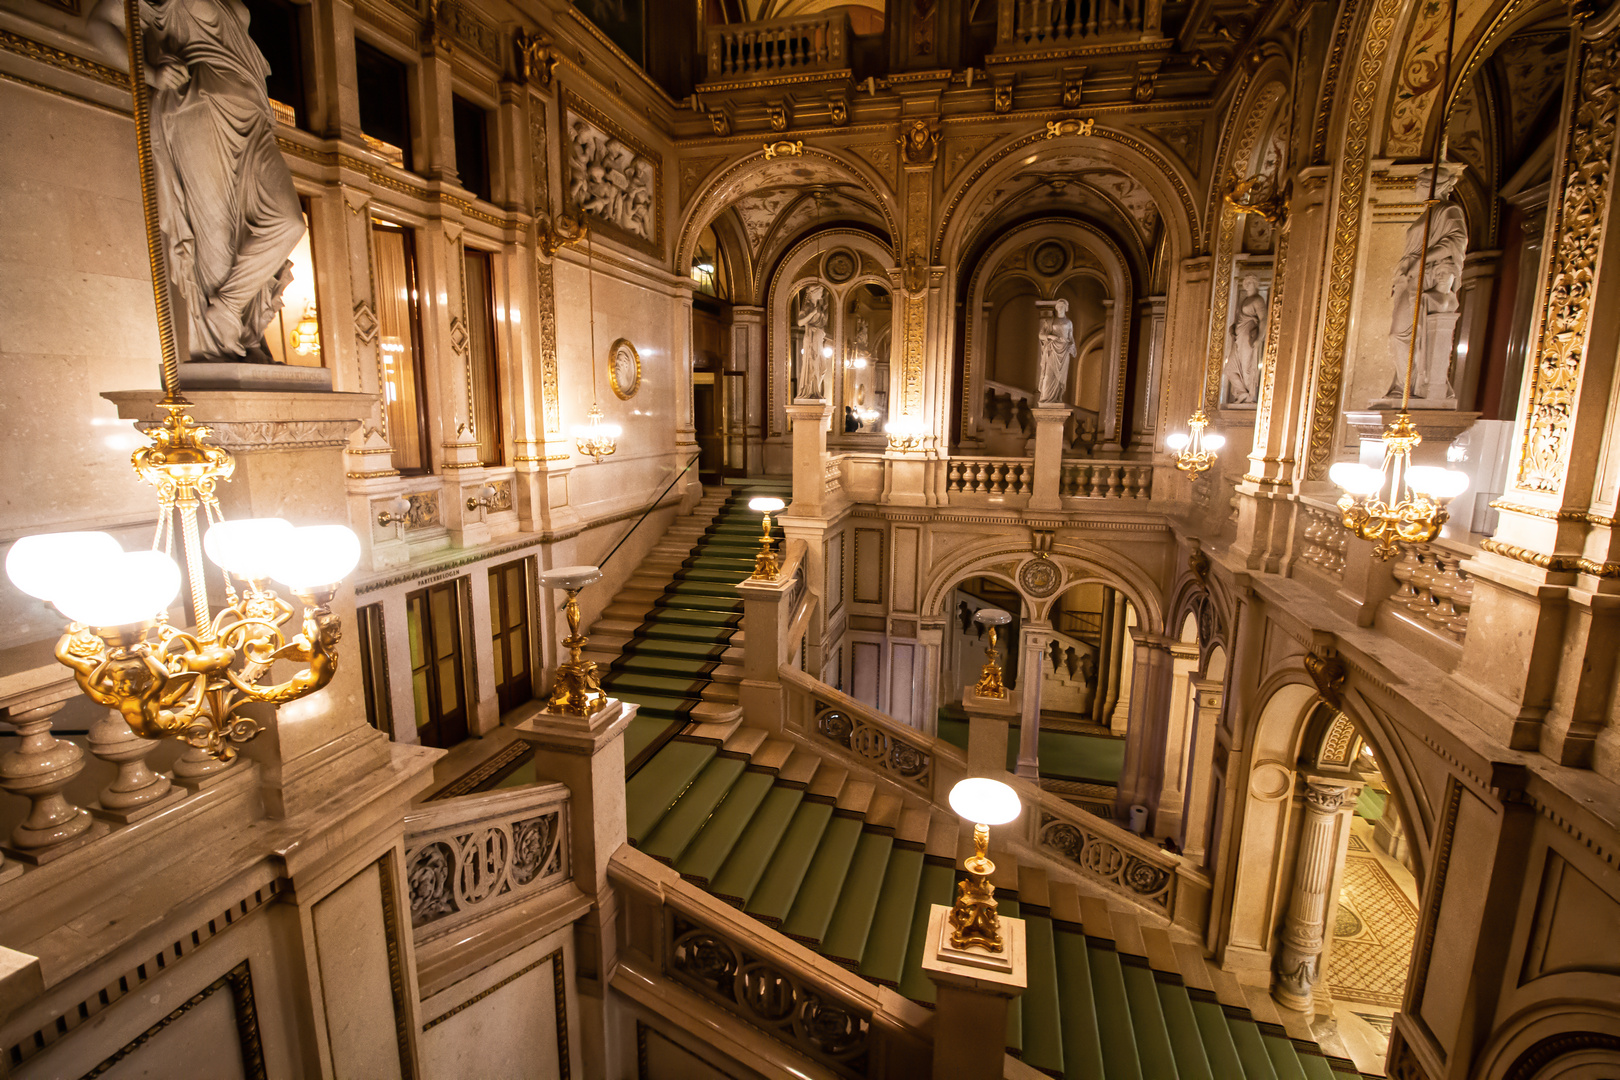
{"points": [[1372, 936]]}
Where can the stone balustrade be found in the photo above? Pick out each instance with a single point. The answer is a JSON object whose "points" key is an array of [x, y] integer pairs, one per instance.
{"points": [[1326, 541], [833, 473], [777, 47], [471, 856], [990, 476], [1435, 590], [1106, 480], [876, 741], [832, 1016], [1045, 25], [1102, 850]]}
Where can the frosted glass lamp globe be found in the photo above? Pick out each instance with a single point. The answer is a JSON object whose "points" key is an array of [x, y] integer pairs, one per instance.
{"points": [[132, 587], [316, 557], [985, 802], [43, 566], [250, 548], [765, 505]]}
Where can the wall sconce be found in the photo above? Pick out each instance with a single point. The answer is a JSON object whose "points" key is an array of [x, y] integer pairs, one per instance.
{"points": [[397, 512], [990, 684], [485, 498], [905, 434], [766, 566], [983, 802]]}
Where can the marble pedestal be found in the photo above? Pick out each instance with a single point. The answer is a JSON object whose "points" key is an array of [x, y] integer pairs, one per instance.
{"points": [[988, 722], [1048, 454], [974, 988]]}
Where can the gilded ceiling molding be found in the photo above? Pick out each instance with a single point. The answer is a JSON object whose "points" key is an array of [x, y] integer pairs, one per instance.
{"points": [[66, 61], [1324, 412], [1578, 227], [700, 214], [1041, 138], [1330, 81]]}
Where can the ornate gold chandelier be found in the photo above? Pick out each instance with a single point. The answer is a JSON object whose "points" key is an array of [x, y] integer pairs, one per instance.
{"points": [[1401, 503], [594, 438], [1195, 451], [125, 655]]}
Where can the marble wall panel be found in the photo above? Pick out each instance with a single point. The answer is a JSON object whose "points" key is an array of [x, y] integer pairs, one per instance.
{"points": [[507, 1017], [351, 939], [79, 320]]}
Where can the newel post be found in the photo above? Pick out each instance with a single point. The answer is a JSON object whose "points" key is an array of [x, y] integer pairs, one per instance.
{"points": [[767, 621]]}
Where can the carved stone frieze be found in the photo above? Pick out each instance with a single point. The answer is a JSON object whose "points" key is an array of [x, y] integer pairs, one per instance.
{"points": [[252, 435]]}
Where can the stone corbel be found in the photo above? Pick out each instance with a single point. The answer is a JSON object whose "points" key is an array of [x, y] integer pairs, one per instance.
{"points": [[1326, 669]]}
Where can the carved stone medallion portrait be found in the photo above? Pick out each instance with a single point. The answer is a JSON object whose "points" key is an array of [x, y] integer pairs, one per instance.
{"points": [[1040, 577], [624, 369]]}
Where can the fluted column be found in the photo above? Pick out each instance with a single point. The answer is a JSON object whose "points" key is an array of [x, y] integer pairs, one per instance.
{"points": [[1299, 956]]}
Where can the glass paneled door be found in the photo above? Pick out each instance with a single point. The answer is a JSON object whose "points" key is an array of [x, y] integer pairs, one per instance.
{"points": [[509, 629], [437, 681]]}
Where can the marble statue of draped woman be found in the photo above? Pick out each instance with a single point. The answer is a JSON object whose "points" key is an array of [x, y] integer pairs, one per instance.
{"points": [[230, 213]]}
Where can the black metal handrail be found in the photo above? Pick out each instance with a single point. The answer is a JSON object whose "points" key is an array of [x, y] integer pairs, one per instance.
{"points": [[650, 507]]}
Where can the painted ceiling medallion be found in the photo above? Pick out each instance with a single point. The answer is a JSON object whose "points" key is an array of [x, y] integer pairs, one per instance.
{"points": [[1040, 577], [624, 369]]}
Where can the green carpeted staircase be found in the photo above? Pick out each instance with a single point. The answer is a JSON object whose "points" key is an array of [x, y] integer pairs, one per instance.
{"points": [[814, 851], [667, 641]]}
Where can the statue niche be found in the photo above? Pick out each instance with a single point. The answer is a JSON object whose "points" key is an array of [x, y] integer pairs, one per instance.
{"points": [[230, 214], [1246, 341], [809, 315], [1057, 350], [1433, 316]]}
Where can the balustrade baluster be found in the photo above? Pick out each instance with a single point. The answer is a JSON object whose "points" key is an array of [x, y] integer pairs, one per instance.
{"points": [[981, 477], [1026, 17], [136, 786], [1092, 26], [38, 769]]}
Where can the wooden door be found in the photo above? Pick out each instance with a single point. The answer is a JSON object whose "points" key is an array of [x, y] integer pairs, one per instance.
{"points": [[437, 680], [509, 632]]}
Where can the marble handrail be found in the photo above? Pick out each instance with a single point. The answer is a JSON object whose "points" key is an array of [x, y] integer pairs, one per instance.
{"points": [[812, 1004], [469, 856], [902, 754], [1091, 479]]}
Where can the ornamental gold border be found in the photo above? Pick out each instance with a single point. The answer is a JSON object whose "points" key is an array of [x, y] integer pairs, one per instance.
{"points": [[571, 103], [1575, 235], [1153, 156], [613, 371], [1324, 407], [696, 221]]}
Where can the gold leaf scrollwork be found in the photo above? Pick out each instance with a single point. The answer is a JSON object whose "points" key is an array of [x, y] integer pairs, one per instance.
{"points": [[1566, 321]]}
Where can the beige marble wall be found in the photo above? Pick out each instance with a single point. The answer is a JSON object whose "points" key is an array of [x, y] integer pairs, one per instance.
{"points": [[78, 320]]}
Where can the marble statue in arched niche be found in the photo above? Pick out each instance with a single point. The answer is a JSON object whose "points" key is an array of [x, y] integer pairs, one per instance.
{"points": [[230, 214], [810, 334]]}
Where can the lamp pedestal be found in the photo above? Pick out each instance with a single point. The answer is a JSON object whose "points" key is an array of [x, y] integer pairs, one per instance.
{"points": [[973, 988], [989, 720], [587, 754]]}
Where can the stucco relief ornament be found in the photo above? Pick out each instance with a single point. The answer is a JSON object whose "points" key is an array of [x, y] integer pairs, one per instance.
{"points": [[920, 144], [230, 214], [1040, 577]]}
